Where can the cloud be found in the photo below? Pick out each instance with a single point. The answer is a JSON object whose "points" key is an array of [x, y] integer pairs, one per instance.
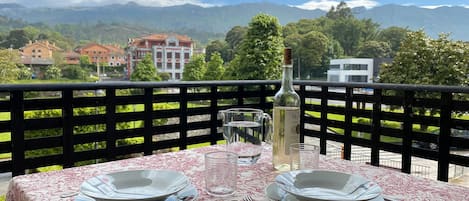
{"points": [[327, 4]]}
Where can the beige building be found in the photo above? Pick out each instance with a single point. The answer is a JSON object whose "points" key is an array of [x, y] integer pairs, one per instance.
{"points": [[40, 50]]}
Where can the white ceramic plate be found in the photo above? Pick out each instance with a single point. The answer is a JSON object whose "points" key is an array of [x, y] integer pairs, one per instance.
{"points": [[189, 193], [135, 185], [327, 185], [274, 193]]}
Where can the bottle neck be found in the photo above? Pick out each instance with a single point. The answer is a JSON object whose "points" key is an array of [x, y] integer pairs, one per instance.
{"points": [[287, 78]]}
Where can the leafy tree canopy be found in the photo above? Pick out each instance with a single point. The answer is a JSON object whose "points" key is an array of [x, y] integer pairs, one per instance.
{"points": [[145, 70], [215, 68], [422, 60], [260, 56], [195, 69], [374, 49], [9, 60]]}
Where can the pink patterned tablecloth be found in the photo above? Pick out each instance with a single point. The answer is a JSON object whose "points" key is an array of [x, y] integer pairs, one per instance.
{"points": [[252, 179]]}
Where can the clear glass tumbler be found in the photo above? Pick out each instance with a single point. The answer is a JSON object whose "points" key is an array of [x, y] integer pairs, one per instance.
{"points": [[304, 156], [221, 172]]}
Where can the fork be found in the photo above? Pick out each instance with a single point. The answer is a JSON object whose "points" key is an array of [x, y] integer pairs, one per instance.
{"points": [[247, 198]]}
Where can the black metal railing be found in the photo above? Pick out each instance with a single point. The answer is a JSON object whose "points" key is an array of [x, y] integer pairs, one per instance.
{"points": [[108, 121]]}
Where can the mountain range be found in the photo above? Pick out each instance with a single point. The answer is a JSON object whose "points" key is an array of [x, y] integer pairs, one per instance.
{"points": [[221, 19]]}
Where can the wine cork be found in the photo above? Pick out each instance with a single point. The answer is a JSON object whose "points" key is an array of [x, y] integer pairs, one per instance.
{"points": [[287, 59]]}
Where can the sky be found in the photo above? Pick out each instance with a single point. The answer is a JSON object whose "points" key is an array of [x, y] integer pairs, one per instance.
{"points": [[305, 4]]}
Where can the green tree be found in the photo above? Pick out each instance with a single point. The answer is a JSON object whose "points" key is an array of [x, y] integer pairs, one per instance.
{"points": [[215, 67], [342, 11], [53, 73], [31, 32], [195, 69], [24, 73], [231, 72], [75, 72], [235, 36], [262, 49], [85, 61], [374, 49], [145, 70], [394, 36], [15, 39], [217, 46], [8, 65], [422, 60], [348, 33], [312, 52], [165, 76]]}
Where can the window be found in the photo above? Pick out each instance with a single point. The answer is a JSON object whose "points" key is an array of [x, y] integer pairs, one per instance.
{"points": [[334, 67], [172, 44], [159, 65], [99, 52], [169, 55], [34, 50], [357, 78], [111, 64], [186, 55], [118, 64], [355, 67], [158, 55], [169, 65], [178, 66], [112, 57], [178, 76], [39, 50], [178, 55], [39, 56], [333, 78], [34, 56]]}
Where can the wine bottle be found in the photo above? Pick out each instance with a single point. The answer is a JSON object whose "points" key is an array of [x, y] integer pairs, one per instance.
{"points": [[286, 117]]}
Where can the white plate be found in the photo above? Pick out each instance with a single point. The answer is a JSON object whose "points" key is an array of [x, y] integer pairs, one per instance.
{"points": [[189, 193], [273, 192], [134, 185], [327, 185]]}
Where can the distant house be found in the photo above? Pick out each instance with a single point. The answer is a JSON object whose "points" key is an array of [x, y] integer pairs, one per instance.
{"points": [[38, 53], [170, 53], [355, 69], [108, 55], [72, 57]]}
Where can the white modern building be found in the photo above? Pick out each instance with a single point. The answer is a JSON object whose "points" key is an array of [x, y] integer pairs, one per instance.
{"points": [[170, 53], [354, 69]]}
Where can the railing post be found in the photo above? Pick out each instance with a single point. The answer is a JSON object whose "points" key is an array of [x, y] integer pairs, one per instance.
{"points": [[240, 95], [263, 97], [302, 112], [17, 132], [110, 123], [324, 121], [444, 136], [67, 116], [407, 132], [376, 126], [183, 118], [148, 122], [213, 115], [348, 123]]}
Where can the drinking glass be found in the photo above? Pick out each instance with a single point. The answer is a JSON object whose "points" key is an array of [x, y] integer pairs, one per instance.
{"points": [[244, 130], [221, 172], [304, 156]]}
